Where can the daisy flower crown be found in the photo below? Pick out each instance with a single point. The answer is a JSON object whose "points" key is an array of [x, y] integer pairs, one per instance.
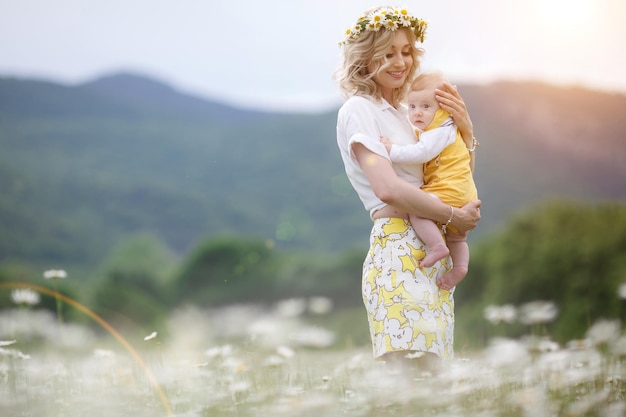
{"points": [[391, 19]]}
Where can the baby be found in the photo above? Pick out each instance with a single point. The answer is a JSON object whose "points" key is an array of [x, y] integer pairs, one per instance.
{"points": [[447, 177]]}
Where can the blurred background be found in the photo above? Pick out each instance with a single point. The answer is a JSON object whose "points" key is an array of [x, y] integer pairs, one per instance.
{"points": [[172, 154], [280, 55]]}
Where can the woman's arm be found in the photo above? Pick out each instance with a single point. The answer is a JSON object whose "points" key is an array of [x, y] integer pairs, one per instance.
{"points": [[450, 99], [396, 192]]}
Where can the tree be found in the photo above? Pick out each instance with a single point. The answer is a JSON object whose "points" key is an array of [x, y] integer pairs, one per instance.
{"points": [[572, 254], [132, 288], [227, 269]]}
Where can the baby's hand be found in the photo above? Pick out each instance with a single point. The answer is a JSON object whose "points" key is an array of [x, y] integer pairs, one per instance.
{"points": [[387, 143]]}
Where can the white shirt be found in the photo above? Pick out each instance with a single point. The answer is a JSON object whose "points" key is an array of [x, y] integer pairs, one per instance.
{"points": [[420, 152], [364, 120]]}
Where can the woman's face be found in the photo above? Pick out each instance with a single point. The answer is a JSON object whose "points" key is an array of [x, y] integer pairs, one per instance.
{"points": [[395, 68]]}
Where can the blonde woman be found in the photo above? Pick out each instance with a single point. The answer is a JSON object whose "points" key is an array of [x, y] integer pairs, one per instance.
{"points": [[408, 314]]}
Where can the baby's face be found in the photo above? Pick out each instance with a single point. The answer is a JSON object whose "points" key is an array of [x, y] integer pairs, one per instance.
{"points": [[422, 108]]}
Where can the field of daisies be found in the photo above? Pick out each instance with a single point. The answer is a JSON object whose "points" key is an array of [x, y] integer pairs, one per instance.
{"points": [[247, 360]]}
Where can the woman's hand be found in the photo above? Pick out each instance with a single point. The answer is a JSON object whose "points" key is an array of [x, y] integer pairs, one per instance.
{"points": [[450, 99], [466, 218]]}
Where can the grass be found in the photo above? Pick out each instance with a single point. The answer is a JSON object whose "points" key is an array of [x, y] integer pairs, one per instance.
{"points": [[249, 361]]}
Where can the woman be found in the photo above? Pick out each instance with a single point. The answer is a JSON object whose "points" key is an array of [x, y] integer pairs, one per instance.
{"points": [[408, 313]]}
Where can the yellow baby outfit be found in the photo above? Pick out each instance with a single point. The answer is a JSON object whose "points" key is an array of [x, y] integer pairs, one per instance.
{"points": [[449, 175]]}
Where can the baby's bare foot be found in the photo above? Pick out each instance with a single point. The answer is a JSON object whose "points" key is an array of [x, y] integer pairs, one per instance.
{"points": [[434, 254], [452, 278]]}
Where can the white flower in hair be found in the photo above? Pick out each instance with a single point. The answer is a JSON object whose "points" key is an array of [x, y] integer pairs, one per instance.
{"points": [[377, 20], [390, 19], [391, 24], [354, 31], [403, 17]]}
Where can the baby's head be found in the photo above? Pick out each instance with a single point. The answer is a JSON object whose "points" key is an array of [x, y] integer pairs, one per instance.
{"points": [[421, 99], [428, 81]]}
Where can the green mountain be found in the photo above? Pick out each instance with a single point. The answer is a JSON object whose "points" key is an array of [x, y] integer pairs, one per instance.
{"points": [[84, 167]]}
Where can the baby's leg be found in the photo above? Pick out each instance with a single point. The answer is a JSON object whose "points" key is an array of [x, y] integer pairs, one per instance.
{"points": [[459, 252], [430, 234]]}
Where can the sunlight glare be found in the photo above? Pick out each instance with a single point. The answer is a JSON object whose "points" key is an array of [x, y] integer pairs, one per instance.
{"points": [[564, 14]]}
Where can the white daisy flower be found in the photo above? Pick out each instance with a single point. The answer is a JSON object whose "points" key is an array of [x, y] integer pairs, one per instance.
{"points": [[506, 352], [25, 296], [13, 353], [373, 26], [377, 20], [621, 291], [103, 353], [55, 274], [579, 344], [544, 344], [221, 351], [537, 312], [285, 351], [292, 307], [604, 331], [500, 314], [391, 24], [403, 17], [320, 305]]}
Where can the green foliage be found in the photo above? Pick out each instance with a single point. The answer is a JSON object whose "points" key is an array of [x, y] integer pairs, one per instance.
{"points": [[132, 288], [142, 254], [336, 276], [225, 270], [128, 300], [87, 166], [570, 253]]}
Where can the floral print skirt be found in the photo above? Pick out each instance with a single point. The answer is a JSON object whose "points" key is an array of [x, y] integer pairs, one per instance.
{"points": [[406, 310]]}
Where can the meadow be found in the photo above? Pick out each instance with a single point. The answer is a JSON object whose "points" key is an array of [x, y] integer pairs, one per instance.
{"points": [[289, 359]]}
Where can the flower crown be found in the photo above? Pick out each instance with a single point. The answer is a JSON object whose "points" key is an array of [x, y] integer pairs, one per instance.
{"points": [[391, 19]]}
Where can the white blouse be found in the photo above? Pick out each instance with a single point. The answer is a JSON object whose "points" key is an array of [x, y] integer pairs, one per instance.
{"points": [[364, 120]]}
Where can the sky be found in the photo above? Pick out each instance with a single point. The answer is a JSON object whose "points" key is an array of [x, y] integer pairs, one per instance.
{"points": [[281, 54]]}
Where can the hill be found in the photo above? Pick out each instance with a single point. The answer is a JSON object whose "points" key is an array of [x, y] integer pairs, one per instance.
{"points": [[83, 167]]}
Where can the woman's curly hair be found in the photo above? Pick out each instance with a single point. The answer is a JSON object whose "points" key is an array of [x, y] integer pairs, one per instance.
{"points": [[353, 76]]}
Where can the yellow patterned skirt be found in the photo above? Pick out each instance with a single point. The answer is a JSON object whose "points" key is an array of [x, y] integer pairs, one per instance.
{"points": [[406, 310]]}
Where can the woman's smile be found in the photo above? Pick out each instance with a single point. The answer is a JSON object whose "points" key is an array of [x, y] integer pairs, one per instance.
{"points": [[397, 74]]}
